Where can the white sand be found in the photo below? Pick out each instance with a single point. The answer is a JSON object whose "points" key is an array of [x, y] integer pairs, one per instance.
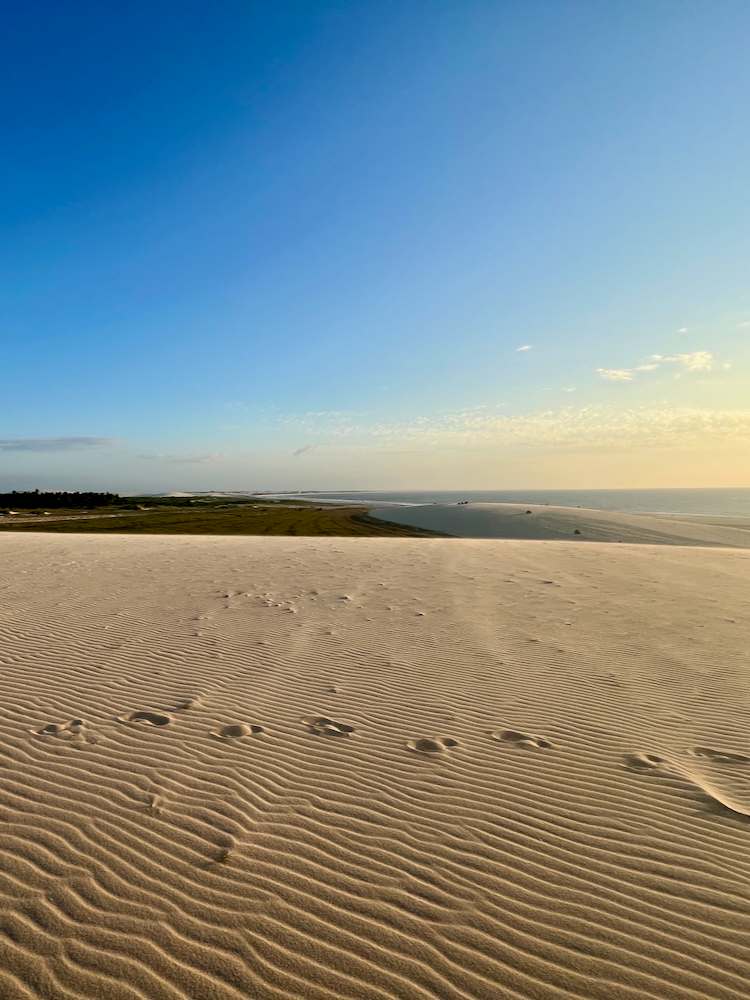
{"points": [[588, 836]]}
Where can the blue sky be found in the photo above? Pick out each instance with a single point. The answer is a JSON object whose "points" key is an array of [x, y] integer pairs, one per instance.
{"points": [[278, 245]]}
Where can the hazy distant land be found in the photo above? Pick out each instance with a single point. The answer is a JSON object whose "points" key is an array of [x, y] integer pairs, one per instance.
{"points": [[263, 515]]}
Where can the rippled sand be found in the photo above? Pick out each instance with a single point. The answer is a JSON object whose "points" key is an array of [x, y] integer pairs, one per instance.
{"points": [[369, 768]]}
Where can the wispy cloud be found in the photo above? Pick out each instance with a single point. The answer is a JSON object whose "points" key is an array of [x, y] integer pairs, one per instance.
{"points": [[694, 361], [683, 329], [182, 459], [744, 325], [54, 444], [525, 347], [575, 428], [336, 422]]}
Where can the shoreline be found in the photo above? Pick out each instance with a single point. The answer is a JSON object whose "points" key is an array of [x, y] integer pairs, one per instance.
{"points": [[585, 524]]}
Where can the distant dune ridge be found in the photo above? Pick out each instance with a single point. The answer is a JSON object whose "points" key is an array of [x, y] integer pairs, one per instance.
{"points": [[373, 768]]}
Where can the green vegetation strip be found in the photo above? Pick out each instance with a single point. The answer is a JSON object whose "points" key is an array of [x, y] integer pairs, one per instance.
{"points": [[219, 519]]}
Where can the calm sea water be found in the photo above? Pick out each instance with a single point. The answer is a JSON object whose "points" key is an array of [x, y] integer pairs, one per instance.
{"points": [[710, 502]]}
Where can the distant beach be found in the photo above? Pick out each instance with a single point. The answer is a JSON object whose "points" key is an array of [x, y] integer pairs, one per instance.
{"points": [[653, 517]]}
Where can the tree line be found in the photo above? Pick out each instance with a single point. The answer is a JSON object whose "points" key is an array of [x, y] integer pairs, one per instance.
{"points": [[33, 499]]}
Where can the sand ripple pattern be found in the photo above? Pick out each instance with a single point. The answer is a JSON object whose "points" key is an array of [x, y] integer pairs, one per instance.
{"points": [[372, 768]]}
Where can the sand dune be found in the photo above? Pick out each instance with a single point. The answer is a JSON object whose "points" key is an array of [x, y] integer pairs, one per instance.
{"points": [[369, 768]]}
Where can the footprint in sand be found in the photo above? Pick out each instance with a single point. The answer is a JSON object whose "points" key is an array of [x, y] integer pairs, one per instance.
{"points": [[322, 726], [236, 730], [432, 744], [186, 704], [643, 761], [64, 730], [154, 804], [53, 729], [721, 756], [146, 718], [521, 739], [714, 793]]}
